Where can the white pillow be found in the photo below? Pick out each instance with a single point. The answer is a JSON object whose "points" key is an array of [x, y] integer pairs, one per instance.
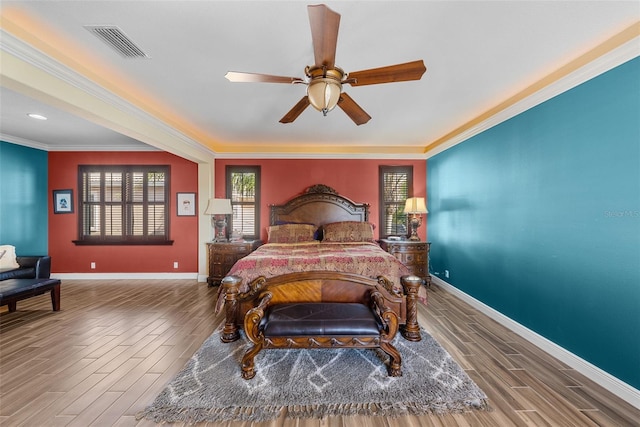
{"points": [[8, 257]]}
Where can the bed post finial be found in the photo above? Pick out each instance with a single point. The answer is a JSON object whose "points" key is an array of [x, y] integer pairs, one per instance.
{"points": [[320, 188]]}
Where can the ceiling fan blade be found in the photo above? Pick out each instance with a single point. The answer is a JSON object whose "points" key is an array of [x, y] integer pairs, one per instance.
{"points": [[296, 110], [392, 73], [353, 110], [324, 34], [240, 77]]}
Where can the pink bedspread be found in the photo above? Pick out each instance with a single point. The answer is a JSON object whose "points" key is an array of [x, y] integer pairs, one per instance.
{"points": [[274, 259]]}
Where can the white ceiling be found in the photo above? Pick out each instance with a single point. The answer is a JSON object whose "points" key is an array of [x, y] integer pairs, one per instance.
{"points": [[477, 53]]}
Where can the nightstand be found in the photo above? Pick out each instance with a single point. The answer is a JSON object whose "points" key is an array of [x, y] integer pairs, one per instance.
{"points": [[413, 254], [222, 256]]}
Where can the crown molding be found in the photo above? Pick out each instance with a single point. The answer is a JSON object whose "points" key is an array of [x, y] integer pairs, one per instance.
{"points": [[604, 63], [22, 141], [39, 60], [44, 147], [320, 156]]}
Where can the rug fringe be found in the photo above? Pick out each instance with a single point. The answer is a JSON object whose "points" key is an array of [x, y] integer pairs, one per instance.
{"points": [[385, 409], [196, 415]]}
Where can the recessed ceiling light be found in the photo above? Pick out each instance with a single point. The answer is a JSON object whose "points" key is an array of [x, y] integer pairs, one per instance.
{"points": [[37, 116]]}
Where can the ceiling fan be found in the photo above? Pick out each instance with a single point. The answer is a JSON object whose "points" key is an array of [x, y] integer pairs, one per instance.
{"points": [[324, 80]]}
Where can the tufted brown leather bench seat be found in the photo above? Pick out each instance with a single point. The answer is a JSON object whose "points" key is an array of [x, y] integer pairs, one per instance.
{"points": [[321, 325], [320, 319], [14, 290]]}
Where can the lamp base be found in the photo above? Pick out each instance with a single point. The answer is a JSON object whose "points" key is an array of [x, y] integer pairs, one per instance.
{"points": [[220, 224], [415, 222]]}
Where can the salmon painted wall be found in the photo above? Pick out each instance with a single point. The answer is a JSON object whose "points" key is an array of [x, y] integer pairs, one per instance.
{"points": [[63, 228], [357, 180]]}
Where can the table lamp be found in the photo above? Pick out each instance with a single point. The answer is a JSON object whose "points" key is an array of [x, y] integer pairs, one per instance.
{"points": [[219, 209], [415, 207]]}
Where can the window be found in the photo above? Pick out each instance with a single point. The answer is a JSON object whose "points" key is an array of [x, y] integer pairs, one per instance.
{"points": [[396, 185], [243, 188], [123, 205]]}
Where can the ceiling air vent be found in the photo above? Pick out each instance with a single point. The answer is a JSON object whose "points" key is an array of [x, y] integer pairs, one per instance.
{"points": [[118, 40]]}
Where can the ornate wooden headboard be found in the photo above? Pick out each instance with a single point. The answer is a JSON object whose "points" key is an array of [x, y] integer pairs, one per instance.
{"points": [[319, 205]]}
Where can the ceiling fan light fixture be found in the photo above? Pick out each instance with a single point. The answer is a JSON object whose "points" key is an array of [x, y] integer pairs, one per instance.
{"points": [[325, 86], [324, 94]]}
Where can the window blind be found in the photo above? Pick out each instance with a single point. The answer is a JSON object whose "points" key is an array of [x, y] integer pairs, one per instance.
{"points": [[243, 189], [395, 187], [123, 204]]}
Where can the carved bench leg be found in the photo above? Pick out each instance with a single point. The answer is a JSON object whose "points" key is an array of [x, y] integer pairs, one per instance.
{"points": [[395, 364], [248, 366], [411, 331]]}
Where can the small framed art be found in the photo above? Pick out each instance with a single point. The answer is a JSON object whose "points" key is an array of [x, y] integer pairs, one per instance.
{"points": [[62, 201], [186, 205]]}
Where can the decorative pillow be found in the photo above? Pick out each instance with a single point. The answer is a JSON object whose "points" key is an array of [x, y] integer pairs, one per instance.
{"points": [[8, 257], [291, 233], [317, 234], [348, 231]]}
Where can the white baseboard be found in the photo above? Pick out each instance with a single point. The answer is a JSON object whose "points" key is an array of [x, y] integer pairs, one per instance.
{"points": [[117, 276], [606, 380]]}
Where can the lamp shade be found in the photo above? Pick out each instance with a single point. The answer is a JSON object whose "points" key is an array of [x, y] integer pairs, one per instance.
{"points": [[218, 207], [415, 205]]}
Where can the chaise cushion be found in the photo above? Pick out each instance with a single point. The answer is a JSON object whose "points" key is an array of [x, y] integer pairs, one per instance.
{"points": [[13, 288], [304, 319], [18, 273]]}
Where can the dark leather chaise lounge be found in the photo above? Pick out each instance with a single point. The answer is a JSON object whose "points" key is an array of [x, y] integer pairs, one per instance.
{"points": [[31, 278]]}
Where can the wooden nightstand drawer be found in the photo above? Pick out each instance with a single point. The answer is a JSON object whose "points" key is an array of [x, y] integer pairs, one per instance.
{"points": [[222, 256], [420, 270], [413, 254]]}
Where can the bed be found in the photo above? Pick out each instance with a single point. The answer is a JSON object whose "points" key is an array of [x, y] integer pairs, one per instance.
{"points": [[342, 267]]}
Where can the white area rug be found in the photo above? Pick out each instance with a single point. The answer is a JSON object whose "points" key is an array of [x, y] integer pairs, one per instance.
{"points": [[315, 383]]}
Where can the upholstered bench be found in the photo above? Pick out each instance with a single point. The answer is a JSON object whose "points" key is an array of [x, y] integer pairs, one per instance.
{"points": [[321, 325], [14, 290]]}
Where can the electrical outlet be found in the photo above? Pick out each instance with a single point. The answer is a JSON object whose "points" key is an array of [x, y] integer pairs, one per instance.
{"points": [[93, 265], [175, 264], [446, 274]]}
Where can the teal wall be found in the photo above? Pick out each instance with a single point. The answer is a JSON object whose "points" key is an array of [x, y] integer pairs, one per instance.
{"points": [[23, 199], [539, 218]]}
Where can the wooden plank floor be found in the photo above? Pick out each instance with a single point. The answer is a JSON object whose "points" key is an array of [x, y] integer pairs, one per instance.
{"points": [[116, 344]]}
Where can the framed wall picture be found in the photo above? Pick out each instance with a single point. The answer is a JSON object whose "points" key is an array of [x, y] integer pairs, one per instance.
{"points": [[62, 201], [186, 205]]}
